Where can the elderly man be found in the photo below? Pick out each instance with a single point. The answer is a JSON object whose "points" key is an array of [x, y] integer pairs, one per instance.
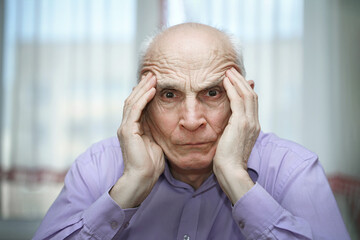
{"points": [[190, 161]]}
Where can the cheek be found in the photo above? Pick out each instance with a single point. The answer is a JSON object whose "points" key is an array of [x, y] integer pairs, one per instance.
{"points": [[162, 121], [218, 116]]}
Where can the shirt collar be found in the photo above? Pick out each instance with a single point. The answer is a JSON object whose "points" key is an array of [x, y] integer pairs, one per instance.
{"points": [[209, 182]]}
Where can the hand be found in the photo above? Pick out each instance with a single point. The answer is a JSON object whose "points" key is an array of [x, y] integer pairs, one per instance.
{"points": [[141, 155], [239, 136], [143, 158]]}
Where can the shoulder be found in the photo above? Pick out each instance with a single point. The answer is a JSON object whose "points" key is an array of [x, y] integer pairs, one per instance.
{"points": [[104, 145], [269, 144], [108, 148], [279, 161], [100, 165]]}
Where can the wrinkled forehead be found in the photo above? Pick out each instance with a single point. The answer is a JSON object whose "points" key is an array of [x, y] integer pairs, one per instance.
{"points": [[189, 65]]}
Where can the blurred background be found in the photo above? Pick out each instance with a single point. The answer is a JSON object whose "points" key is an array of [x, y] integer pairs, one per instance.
{"points": [[68, 65]]}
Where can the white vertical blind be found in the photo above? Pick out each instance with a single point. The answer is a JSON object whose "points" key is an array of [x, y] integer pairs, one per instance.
{"points": [[68, 67]]}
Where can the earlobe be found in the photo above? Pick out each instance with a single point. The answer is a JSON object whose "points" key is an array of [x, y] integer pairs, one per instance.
{"points": [[251, 83]]}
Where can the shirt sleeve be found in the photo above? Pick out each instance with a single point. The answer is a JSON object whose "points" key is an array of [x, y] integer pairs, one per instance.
{"points": [[303, 208], [82, 211]]}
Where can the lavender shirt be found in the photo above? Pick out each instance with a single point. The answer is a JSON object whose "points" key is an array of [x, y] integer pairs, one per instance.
{"points": [[290, 200]]}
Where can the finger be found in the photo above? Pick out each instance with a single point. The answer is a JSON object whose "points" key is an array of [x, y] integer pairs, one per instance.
{"points": [[139, 87], [145, 84], [137, 94], [238, 82], [250, 85], [134, 111], [249, 96], [236, 102], [246, 92], [144, 75], [241, 78]]}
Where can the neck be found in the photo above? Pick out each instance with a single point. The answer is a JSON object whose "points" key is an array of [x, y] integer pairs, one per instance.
{"points": [[194, 178]]}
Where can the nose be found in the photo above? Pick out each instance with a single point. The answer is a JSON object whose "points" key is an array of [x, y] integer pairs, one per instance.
{"points": [[192, 116]]}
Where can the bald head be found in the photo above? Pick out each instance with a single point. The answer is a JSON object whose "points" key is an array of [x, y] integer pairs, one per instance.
{"points": [[192, 45], [189, 38]]}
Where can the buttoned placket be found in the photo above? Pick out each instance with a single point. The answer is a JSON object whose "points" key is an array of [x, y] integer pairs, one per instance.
{"points": [[189, 219]]}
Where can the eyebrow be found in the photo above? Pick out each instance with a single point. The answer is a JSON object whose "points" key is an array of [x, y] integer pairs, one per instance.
{"points": [[177, 86], [167, 85], [215, 83]]}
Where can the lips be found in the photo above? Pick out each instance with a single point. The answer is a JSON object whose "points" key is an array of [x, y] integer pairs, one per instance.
{"points": [[195, 144], [199, 143], [194, 140]]}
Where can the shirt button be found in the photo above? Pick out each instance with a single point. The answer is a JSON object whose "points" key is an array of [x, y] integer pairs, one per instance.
{"points": [[241, 224], [186, 237], [114, 225]]}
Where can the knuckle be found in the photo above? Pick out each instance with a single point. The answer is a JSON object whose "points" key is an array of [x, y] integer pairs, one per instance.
{"points": [[122, 131], [252, 125], [127, 102], [258, 128], [135, 107], [244, 123], [248, 96], [252, 97]]}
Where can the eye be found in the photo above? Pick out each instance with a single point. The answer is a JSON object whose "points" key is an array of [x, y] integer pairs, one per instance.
{"points": [[169, 95], [212, 93]]}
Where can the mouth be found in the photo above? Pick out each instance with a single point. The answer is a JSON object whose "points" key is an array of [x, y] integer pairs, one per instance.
{"points": [[195, 144]]}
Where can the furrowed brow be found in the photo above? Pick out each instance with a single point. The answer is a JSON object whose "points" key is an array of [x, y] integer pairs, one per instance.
{"points": [[167, 85], [216, 83]]}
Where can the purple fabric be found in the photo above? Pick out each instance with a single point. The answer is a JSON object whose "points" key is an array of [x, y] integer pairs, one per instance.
{"points": [[290, 200]]}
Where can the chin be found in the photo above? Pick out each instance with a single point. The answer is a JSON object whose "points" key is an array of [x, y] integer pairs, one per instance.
{"points": [[192, 161]]}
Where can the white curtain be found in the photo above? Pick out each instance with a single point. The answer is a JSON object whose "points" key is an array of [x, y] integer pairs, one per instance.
{"points": [[68, 66]]}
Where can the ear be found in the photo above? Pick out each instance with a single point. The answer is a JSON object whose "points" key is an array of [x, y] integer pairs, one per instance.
{"points": [[251, 83]]}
